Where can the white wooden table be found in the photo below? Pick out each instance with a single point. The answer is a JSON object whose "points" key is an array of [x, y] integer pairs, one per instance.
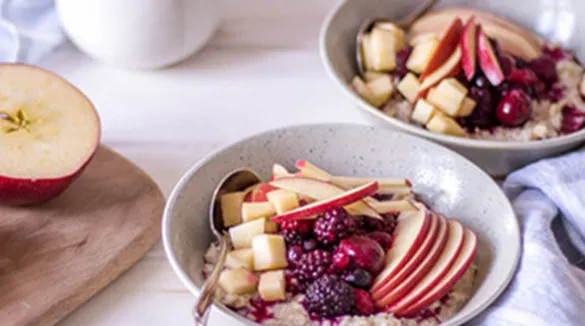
{"points": [[261, 71]]}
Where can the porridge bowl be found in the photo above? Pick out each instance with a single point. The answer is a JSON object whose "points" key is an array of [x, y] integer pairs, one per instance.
{"points": [[443, 188], [504, 89]]}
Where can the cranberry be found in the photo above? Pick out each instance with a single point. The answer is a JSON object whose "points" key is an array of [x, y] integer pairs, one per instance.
{"points": [[363, 302], [514, 109], [383, 238], [358, 278], [363, 252], [508, 64], [573, 119], [309, 244], [401, 59], [294, 255], [523, 77], [545, 68], [557, 53]]}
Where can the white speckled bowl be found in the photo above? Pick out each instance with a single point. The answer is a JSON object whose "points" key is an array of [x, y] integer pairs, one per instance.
{"points": [[556, 20], [448, 182]]}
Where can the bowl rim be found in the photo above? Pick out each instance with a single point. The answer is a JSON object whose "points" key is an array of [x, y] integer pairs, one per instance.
{"points": [[575, 137], [178, 188]]}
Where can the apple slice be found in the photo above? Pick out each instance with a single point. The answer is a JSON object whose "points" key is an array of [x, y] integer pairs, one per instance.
{"points": [[447, 45], [410, 232], [279, 171], [321, 190], [488, 61], [419, 287], [437, 231], [49, 131], [449, 68], [343, 199], [388, 206], [461, 264], [582, 86], [310, 170], [257, 193], [469, 48], [351, 182]]}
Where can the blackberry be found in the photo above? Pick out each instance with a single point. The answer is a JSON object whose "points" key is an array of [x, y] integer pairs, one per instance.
{"points": [[313, 264], [390, 221], [294, 255], [334, 225], [293, 284], [303, 227], [329, 297], [310, 244], [292, 237]]}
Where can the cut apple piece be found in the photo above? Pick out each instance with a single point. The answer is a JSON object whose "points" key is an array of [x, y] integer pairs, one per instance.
{"points": [[467, 107], [367, 52], [409, 87], [49, 131], [421, 55], [444, 50], [343, 199], [352, 182], [269, 252], [423, 111], [283, 200], [449, 68], [241, 235], [231, 208], [394, 190], [372, 75], [320, 190], [443, 124], [469, 48], [270, 227], [446, 282], [389, 206], [411, 230], [256, 210], [448, 96], [279, 171], [488, 61], [421, 38], [399, 34], [242, 258], [437, 233], [238, 281], [384, 47], [381, 88], [364, 91], [582, 86], [310, 170], [432, 277], [272, 286]]}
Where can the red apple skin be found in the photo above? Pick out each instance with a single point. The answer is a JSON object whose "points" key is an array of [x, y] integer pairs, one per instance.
{"points": [[487, 59], [445, 48], [27, 192], [469, 48]]}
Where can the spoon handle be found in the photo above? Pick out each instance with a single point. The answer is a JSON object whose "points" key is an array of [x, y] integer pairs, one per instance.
{"points": [[201, 308]]}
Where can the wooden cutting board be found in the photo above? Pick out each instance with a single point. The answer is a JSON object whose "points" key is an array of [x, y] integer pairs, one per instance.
{"points": [[56, 256]]}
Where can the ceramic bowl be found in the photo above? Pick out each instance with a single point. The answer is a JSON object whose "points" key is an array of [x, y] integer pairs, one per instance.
{"points": [[449, 183], [558, 21]]}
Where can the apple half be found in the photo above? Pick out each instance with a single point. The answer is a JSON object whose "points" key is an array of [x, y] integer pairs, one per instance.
{"points": [[49, 131]]}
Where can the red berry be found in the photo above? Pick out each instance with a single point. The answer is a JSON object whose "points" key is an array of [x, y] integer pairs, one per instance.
{"points": [[302, 226], [383, 238], [341, 261], [363, 252], [508, 64], [573, 119], [523, 77], [557, 54], [294, 255], [545, 68], [363, 302], [514, 109]]}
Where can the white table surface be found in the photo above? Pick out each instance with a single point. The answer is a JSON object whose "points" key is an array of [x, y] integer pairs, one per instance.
{"points": [[260, 71]]}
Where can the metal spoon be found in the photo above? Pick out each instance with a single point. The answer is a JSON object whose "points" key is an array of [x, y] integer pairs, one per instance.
{"points": [[236, 180], [404, 24]]}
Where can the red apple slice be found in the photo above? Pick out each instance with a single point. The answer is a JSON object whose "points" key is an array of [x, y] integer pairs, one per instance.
{"points": [[346, 198], [445, 48], [49, 131], [464, 260], [450, 68], [310, 170], [434, 275], [410, 232], [350, 182], [468, 48], [320, 190], [388, 206], [279, 171], [421, 252], [488, 61]]}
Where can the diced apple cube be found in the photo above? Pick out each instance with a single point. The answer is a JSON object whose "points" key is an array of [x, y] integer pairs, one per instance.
{"points": [[371, 75], [423, 111], [269, 252], [272, 286], [238, 281], [253, 211], [241, 258], [443, 124], [384, 47], [367, 52], [231, 205], [466, 107], [241, 235], [399, 34], [420, 38], [409, 87], [448, 96], [283, 200], [270, 227], [421, 54], [381, 88], [364, 91]]}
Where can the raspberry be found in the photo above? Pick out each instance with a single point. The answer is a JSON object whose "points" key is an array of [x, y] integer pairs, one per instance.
{"points": [[301, 226], [313, 265], [363, 302], [329, 297], [292, 237], [334, 225], [358, 277]]}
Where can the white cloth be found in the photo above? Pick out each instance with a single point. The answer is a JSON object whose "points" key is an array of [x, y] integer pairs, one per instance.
{"points": [[549, 288], [29, 30]]}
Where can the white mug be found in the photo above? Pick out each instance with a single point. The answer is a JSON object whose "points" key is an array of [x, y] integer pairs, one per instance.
{"points": [[139, 34]]}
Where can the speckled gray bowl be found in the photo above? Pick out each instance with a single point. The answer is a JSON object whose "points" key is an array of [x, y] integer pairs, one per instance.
{"points": [[448, 182], [558, 21]]}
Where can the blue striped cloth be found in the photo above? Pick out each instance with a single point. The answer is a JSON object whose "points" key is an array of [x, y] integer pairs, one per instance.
{"points": [[29, 30], [549, 288]]}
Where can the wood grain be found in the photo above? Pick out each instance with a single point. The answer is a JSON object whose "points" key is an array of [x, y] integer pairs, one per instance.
{"points": [[55, 256]]}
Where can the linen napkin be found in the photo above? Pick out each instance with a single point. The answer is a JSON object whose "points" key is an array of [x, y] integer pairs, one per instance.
{"points": [[29, 30], [549, 288]]}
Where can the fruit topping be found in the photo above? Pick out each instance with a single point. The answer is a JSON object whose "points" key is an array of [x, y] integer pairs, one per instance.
{"points": [[468, 45], [573, 119], [401, 60], [483, 114], [238, 281], [488, 60], [293, 237], [334, 225], [409, 87], [507, 63], [523, 77], [329, 297], [446, 47], [269, 252], [363, 302], [383, 238], [545, 68], [310, 244], [293, 283], [514, 108], [294, 255], [313, 264], [358, 278], [301, 226], [272, 286], [557, 53], [362, 252]]}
